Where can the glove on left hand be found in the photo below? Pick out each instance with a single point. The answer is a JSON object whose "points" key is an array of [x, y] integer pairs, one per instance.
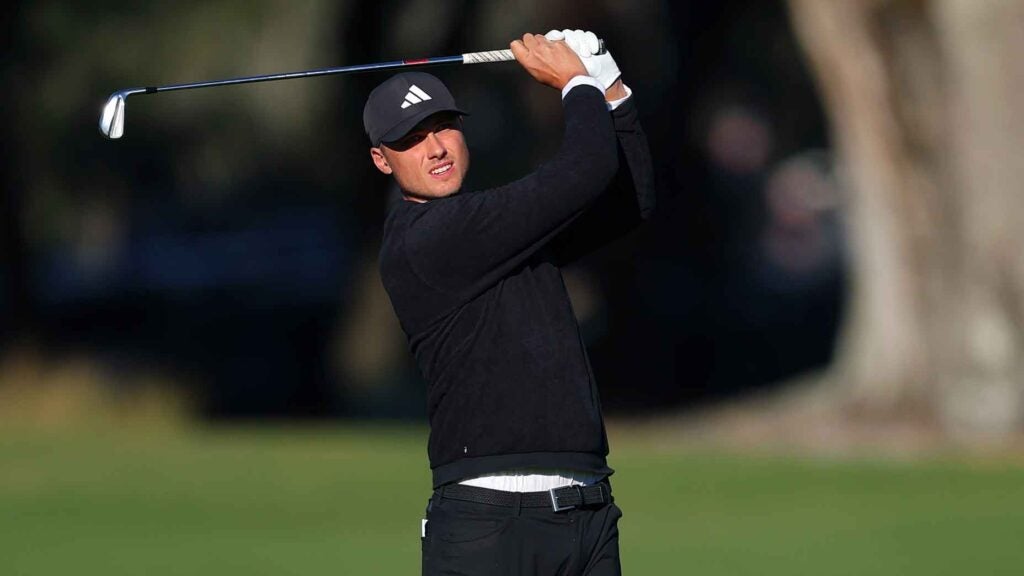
{"points": [[586, 46]]}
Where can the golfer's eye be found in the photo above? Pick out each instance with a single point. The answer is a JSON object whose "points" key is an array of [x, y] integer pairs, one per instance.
{"points": [[409, 141]]}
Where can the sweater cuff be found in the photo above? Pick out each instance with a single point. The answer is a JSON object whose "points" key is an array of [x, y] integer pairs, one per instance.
{"points": [[581, 81], [591, 81]]}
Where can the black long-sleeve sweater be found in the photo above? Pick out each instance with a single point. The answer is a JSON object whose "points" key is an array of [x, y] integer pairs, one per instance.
{"points": [[474, 280]]}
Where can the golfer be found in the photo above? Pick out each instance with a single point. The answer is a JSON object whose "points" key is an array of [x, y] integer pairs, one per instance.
{"points": [[517, 442]]}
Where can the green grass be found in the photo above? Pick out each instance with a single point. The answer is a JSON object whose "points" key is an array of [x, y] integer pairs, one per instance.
{"points": [[348, 500]]}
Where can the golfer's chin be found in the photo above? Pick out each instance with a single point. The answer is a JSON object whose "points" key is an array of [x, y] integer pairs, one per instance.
{"points": [[433, 192]]}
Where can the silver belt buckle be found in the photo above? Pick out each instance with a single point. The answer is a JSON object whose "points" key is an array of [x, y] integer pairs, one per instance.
{"points": [[554, 499]]}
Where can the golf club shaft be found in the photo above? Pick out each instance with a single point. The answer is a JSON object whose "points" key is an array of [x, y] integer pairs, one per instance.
{"points": [[469, 58]]}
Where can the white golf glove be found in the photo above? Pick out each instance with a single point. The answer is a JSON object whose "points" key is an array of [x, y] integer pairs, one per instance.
{"points": [[585, 45]]}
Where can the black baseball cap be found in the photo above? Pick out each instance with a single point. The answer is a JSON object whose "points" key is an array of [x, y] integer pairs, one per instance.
{"points": [[401, 102]]}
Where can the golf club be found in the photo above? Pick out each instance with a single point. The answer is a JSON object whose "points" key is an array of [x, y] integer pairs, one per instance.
{"points": [[112, 117]]}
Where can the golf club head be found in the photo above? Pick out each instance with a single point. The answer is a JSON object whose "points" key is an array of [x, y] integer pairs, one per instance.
{"points": [[112, 118]]}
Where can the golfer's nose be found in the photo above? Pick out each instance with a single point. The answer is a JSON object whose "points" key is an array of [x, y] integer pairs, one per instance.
{"points": [[434, 146]]}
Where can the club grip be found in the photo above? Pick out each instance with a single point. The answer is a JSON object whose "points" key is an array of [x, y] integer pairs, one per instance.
{"points": [[501, 55], [488, 56]]}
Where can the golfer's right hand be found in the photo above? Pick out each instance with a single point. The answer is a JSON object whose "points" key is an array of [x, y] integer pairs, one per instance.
{"points": [[550, 63]]}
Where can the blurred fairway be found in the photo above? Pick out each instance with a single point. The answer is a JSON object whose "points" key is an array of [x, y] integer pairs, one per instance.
{"points": [[348, 500]]}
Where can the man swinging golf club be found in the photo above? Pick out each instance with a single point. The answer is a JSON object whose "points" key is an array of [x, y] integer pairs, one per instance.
{"points": [[517, 441]]}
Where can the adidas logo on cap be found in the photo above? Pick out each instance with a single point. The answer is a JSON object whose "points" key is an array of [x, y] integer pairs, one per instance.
{"points": [[414, 96]]}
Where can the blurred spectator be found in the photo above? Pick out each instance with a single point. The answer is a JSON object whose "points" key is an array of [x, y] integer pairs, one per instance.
{"points": [[781, 303], [738, 144], [739, 139], [801, 238]]}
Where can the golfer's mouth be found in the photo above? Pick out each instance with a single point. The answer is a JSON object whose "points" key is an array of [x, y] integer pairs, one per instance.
{"points": [[442, 170]]}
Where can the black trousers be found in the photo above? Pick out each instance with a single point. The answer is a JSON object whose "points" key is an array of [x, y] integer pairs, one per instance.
{"points": [[473, 539]]}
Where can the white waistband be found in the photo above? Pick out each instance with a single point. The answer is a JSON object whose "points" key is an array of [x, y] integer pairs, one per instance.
{"points": [[532, 480]]}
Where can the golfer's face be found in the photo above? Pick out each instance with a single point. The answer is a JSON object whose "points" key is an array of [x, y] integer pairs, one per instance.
{"points": [[430, 161]]}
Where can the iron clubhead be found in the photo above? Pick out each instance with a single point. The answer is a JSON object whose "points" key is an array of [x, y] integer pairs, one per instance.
{"points": [[112, 118]]}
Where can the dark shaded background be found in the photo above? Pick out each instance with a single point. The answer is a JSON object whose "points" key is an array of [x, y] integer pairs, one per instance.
{"points": [[228, 240]]}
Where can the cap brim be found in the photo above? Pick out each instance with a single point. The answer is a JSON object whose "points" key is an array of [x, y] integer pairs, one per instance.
{"points": [[396, 132]]}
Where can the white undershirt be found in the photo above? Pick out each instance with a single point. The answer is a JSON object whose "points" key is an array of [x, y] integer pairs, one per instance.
{"points": [[532, 480]]}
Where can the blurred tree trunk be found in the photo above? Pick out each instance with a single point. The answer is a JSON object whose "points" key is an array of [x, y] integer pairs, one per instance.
{"points": [[923, 101]]}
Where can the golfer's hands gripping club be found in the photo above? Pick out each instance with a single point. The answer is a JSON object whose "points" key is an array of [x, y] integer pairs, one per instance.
{"points": [[550, 63], [599, 64]]}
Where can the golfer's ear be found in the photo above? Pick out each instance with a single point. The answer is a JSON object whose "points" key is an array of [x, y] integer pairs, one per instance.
{"points": [[379, 160]]}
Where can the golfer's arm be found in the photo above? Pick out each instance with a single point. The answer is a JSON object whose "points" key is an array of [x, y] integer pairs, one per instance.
{"points": [[628, 200], [635, 179]]}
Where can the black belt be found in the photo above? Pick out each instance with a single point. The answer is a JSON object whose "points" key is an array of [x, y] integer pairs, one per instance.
{"points": [[558, 499]]}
